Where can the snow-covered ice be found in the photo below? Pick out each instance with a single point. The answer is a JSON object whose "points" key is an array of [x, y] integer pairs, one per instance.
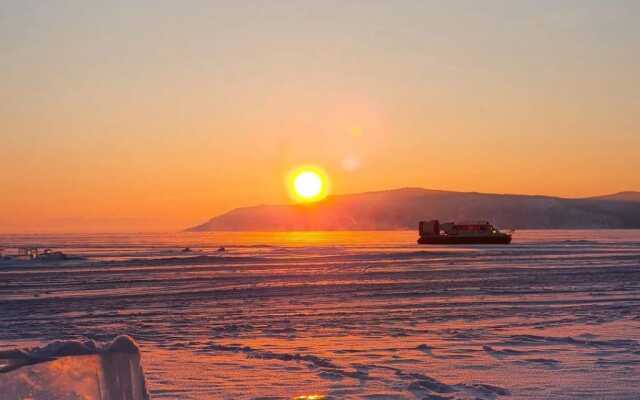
{"points": [[342, 315]]}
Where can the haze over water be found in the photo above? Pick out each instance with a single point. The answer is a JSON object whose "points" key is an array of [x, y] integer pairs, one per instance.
{"points": [[347, 315]]}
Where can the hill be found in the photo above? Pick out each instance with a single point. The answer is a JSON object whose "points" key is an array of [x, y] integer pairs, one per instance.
{"points": [[621, 196], [403, 208]]}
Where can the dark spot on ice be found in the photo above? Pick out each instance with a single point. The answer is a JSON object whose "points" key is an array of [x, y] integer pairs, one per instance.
{"points": [[505, 352], [425, 348], [547, 362], [425, 383], [527, 340], [346, 351], [287, 332], [485, 390], [231, 330], [331, 375], [464, 334], [587, 336]]}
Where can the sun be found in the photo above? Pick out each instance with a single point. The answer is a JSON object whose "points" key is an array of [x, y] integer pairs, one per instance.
{"points": [[308, 184]]}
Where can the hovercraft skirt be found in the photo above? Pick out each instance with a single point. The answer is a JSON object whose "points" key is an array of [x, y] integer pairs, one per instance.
{"points": [[441, 239]]}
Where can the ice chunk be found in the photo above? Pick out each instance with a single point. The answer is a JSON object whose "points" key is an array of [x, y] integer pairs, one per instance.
{"points": [[74, 369]]}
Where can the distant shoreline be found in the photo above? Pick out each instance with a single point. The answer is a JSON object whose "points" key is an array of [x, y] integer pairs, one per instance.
{"points": [[402, 209]]}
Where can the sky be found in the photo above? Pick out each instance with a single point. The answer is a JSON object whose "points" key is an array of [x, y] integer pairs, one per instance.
{"points": [[157, 115]]}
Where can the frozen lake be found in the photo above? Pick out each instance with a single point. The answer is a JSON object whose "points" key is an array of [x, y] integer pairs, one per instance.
{"points": [[344, 315]]}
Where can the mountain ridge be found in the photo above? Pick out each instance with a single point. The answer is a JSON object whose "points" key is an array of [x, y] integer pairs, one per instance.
{"points": [[403, 208]]}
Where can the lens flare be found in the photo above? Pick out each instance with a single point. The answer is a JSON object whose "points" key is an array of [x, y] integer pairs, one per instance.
{"points": [[307, 184]]}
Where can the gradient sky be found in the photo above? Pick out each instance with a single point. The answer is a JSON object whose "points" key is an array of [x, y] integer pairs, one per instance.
{"points": [[156, 115]]}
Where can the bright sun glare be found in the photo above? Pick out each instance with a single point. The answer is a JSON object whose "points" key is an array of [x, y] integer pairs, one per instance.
{"points": [[308, 184]]}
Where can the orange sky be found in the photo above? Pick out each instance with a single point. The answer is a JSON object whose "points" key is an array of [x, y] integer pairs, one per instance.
{"points": [[159, 115]]}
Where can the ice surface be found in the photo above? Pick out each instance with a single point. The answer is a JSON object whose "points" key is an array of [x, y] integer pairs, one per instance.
{"points": [[341, 315]]}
